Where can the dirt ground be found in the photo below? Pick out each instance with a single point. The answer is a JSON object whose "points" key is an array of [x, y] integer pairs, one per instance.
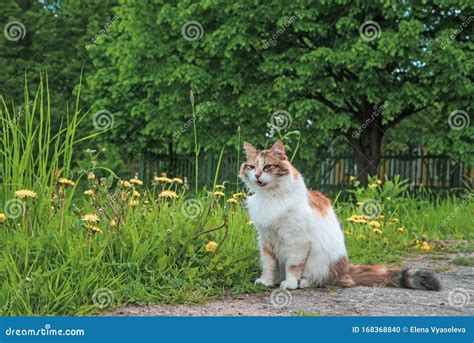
{"points": [[455, 299]]}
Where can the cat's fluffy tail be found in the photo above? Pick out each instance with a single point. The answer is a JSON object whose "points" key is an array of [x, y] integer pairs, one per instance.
{"points": [[371, 275]]}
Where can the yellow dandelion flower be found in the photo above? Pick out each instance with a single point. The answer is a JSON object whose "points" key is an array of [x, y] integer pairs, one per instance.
{"points": [[113, 223], [177, 180], [389, 198], [168, 194], [378, 182], [64, 181], [94, 229], [162, 179], [211, 246], [393, 220], [373, 185], [89, 192], [218, 194], [133, 203], [123, 196], [351, 219], [232, 201], [25, 193], [380, 216], [238, 195], [136, 181], [91, 218], [91, 176], [401, 229], [250, 222], [126, 184], [377, 231], [136, 194], [352, 178], [220, 187], [425, 247], [3, 217], [374, 223], [357, 219]]}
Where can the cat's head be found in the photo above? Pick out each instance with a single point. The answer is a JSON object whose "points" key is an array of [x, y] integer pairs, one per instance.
{"points": [[266, 169]]}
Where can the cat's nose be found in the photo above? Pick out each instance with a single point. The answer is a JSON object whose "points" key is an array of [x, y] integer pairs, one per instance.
{"points": [[257, 175]]}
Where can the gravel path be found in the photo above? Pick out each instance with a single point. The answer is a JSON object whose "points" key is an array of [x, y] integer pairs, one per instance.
{"points": [[455, 299]]}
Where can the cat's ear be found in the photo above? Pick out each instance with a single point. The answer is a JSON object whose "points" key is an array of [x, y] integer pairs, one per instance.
{"points": [[250, 151], [278, 148]]}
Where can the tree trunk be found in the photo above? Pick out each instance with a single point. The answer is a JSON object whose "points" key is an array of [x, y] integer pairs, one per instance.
{"points": [[367, 147]]}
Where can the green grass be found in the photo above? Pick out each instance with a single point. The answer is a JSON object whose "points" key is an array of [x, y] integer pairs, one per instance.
{"points": [[146, 248], [155, 255], [463, 261], [303, 313]]}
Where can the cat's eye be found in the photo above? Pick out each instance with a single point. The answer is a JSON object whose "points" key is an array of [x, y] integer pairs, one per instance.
{"points": [[268, 167], [249, 166]]}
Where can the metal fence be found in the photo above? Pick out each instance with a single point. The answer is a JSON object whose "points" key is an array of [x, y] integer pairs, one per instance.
{"points": [[330, 173]]}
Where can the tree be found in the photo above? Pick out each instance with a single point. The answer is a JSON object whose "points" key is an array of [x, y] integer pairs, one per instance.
{"points": [[332, 69], [47, 37]]}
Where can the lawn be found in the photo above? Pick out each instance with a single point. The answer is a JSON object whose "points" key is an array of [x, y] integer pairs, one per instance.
{"points": [[77, 242], [127, 243]]}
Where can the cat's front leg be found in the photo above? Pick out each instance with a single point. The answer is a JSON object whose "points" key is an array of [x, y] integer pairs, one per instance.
{"points": [[294, 267], [269, 265]]}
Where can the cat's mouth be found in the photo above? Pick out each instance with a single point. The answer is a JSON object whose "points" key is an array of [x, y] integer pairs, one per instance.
{"points": [[261, 183]]}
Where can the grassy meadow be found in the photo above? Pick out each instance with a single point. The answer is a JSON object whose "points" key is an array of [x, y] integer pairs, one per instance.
{"points": [[76, 242]]}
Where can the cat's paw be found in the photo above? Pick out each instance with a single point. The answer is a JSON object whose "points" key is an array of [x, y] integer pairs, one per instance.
{"points": [[263, 281], [289, 284], [305, 283]]}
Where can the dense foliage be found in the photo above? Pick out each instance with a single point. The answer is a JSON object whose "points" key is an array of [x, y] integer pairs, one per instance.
{"points": [[348, 76]]}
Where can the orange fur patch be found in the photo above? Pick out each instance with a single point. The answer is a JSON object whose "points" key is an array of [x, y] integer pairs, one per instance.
{"points": [[268, 251], [346, 281], [296, 269], [338, 269], [319, 202], [369, 275]]}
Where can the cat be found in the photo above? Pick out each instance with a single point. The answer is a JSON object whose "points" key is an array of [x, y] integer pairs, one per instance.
{"points": [[301, 241]]}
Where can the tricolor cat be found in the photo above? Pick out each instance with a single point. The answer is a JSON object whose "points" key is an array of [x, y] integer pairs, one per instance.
{"points": [[301, 241]]}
